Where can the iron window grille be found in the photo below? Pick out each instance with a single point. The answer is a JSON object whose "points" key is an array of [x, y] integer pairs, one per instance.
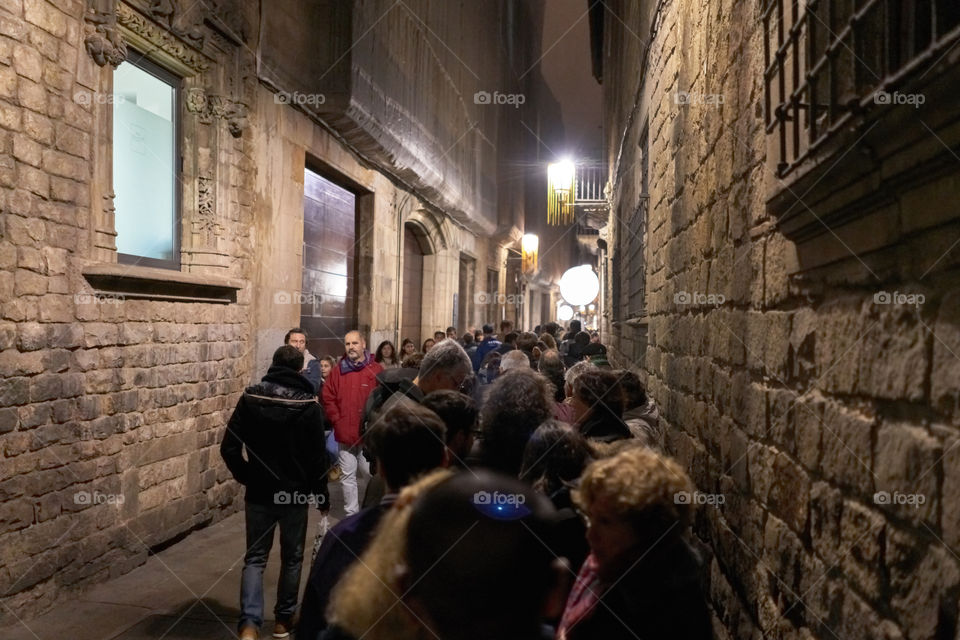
{"points": [[827, 61]]}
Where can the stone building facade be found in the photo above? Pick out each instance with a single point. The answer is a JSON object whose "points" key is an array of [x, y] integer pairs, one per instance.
{"points": [[795, 313], [116, 378]]}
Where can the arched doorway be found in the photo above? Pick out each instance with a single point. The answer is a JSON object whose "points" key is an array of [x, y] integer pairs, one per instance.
{"points": [[412, 309]]}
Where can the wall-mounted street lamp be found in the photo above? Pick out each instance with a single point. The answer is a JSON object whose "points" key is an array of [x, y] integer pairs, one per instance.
{"points": [[529, 246], [561, 190]]}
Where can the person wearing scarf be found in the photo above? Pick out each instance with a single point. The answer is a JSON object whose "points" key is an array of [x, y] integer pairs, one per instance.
{"points": [[642, 578], [345, 393]]}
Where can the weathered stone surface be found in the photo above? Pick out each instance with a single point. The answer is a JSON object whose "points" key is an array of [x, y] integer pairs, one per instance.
{"points": [[921, 578], [906, 464], [847, 450]]}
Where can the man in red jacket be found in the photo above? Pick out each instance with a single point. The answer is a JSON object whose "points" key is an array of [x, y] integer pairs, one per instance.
{"points": [[344, 396]]}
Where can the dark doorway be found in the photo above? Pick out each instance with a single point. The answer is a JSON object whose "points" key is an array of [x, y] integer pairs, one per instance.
{"points": [[467, 284], [546, 313], [412, 286], [491, 308], [513, 310], [328, 305]]}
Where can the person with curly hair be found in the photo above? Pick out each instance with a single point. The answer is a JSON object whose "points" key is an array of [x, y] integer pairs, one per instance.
{"points": [[642, 578], [517, 403]]}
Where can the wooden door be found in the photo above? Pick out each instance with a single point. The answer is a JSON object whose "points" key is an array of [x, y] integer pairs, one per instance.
{"points": [[412, 288], [328, 303]]}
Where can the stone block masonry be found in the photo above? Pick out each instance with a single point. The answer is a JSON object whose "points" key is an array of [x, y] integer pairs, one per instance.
{"points": [[111, 409], [827, 417]]}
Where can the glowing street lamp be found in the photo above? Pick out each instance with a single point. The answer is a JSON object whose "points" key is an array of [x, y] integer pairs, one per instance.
{"points": [[529, 245], [561, 185], [579, 286]]}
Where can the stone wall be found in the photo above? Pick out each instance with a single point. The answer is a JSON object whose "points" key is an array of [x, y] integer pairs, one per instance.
{"points": [[111, 407], [117, 380], [810, 405]]}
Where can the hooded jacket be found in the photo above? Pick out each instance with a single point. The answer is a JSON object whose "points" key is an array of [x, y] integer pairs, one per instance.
{"points": [[280, 424], [345, 394]]}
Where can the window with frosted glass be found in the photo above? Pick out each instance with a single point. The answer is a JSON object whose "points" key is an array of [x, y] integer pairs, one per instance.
{"points": [[145, 165]]}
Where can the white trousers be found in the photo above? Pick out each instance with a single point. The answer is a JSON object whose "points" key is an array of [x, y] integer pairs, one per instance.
{"points": [[351, 460]]}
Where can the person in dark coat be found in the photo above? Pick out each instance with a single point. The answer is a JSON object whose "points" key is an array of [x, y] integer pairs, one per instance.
{"points": [[476, 566], [518, 402], [407, 441], [553, 461], [598, 406], [279, 424], [642, 578], [488, 344]]}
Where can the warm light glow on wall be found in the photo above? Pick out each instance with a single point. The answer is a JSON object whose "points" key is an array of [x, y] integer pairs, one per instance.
{"points": [[561, 186]]}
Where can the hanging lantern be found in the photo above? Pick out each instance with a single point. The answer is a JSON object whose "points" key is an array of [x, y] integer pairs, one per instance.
{"points": [[561, 185], [529, 245], [564, 312]]}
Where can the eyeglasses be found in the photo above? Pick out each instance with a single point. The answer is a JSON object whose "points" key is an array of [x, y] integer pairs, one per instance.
{"points": [[465, 385]]}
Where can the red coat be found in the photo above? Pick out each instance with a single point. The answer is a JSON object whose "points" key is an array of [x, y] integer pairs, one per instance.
{"points": [[344, 396]]}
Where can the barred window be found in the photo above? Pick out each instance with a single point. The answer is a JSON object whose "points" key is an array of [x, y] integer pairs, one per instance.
{"points": [[828, 61]]}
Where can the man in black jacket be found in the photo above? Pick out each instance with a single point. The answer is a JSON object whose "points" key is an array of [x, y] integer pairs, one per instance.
{"points": [[280, 424]]}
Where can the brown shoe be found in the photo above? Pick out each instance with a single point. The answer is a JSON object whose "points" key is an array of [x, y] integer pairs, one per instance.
{"points": [[249, 632], [282, 629]]}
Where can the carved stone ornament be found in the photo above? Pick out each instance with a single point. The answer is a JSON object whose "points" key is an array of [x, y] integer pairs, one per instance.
{"points": [[206, 220], [167, 13], [196, 100], [209, 107], [161, 38], [103, 41]]}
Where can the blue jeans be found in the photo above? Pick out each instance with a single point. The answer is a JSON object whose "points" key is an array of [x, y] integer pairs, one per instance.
{"points": [[261, 521]]}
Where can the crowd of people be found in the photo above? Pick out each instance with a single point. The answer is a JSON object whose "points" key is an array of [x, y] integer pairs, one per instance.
{"points": [[517, 488]]}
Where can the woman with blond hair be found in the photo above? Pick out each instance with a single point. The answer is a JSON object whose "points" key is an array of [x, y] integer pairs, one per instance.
{"points": [[642, 578], [367, 602]]}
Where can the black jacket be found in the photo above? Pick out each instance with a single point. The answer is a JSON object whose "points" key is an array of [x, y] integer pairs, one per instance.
{"points": [[280, 424], [604, 426], [660, 598]]}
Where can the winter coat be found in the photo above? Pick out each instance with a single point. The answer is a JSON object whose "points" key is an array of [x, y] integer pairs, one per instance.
{"points": [[345, 394], [486, 346], [280, 424], [644, 423], [604, 426], [311, 370], [660, 597]]}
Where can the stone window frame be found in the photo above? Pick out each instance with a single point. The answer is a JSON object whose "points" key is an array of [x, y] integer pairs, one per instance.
{"points": [[218, 78], [855, 137]]}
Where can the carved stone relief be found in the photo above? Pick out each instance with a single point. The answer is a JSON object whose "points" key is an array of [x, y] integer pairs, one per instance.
{"points": [[103, 41]]}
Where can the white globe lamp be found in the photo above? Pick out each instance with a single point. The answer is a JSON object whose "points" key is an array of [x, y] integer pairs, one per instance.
{"points": [[579, 285]]}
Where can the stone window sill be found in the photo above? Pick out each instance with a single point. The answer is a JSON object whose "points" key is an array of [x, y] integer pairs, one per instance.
{"points": [[132, 281]]}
